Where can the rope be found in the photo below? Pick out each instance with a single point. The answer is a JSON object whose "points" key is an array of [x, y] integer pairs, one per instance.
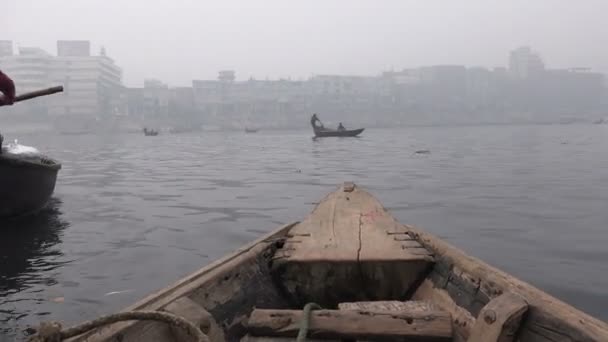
{"points": [[51, 331], [305, 323]]}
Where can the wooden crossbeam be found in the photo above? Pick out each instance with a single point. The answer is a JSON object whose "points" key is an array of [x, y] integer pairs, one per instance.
{"points": [[354, 324]]}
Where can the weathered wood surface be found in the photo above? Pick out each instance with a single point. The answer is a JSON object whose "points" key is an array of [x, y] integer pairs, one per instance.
{"points": [[499, 320], [353, 324], [462, 320], [197, 315], [249, 338], [352, 226], [213, 274], [352, 245], [471, 283], [390, 306]]}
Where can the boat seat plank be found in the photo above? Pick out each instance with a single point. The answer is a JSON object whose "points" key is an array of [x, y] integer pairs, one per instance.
{"points": [[499, 320], [352, 324], [390, 306], [249, 338]]}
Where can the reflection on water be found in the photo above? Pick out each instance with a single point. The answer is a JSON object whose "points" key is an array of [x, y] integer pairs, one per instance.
{"points": [[29, 254]]}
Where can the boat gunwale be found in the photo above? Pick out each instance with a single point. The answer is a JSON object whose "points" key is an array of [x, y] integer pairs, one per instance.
{"points": [[185, 285], [332, 133], [542, 304], [39, 162]]}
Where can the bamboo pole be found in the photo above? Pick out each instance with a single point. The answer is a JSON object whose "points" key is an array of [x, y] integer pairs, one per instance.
{"points": [[37, 93]]}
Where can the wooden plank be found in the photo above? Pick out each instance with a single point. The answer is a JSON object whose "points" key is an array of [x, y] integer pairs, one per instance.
{"points": [[390, 306], [352, 324], [197, 315], [548, 318], [499, 320], [249, 338], [376, 244], [461, 318]]}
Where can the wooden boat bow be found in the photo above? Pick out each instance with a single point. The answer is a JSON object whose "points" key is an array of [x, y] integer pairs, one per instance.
{"points": [[375, 279]]}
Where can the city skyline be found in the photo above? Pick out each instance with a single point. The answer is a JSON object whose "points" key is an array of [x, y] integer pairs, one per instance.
{"points": [[156, 39], [97, 50], [525, 90]]}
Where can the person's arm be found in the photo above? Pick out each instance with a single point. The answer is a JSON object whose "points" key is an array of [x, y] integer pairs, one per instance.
{"points": [[7, 87]]}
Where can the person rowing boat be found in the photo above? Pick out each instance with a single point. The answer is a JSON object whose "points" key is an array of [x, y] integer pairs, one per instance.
{"points": [[7, 87], [313, 121]]}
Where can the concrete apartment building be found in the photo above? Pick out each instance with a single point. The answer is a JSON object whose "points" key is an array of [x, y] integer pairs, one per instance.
{"points": [[6, 48], [92, 84], [29, 68]]}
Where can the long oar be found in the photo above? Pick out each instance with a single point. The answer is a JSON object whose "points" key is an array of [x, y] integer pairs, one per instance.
{"points": [[37, 93]]}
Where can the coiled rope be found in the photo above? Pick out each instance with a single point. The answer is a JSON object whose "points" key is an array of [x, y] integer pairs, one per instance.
{"points": [[52, 332]]}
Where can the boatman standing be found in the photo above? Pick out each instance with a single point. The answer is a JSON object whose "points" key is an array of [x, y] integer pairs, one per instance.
{"points": [[7, 87], [313, 121]]}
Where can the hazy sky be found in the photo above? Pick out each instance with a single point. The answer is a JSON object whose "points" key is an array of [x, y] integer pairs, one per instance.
{"points": [[181, 40]]}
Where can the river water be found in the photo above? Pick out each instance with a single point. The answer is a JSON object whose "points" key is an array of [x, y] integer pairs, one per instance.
{"points": [[132, 214]]}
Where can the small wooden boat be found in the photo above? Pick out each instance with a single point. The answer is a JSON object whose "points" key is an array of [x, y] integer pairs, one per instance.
{"points": [[26, 183], [150, 132], [250, 130], [359, 275], [324, 132], [321, 131]]}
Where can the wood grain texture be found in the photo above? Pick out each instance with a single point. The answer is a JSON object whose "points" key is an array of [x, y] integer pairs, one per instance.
{"points": [[353, 246], [471, 283], [354, 324], [499, 320]]}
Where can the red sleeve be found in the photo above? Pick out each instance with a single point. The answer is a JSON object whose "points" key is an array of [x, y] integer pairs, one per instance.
{"points": [[7, 86]]}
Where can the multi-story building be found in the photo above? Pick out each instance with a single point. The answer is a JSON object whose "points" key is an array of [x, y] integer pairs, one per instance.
{"points": [[156, 98], [6, 48], [92, 84], [525, 63], [29, 69]]}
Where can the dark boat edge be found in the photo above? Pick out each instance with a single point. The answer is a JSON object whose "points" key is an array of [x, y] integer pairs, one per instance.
{"points": [[338, 134], [27, 183]]}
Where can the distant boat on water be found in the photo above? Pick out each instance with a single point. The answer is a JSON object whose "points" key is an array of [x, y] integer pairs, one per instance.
{"points": [[251, 130], [150, 132], [321, 132]]}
